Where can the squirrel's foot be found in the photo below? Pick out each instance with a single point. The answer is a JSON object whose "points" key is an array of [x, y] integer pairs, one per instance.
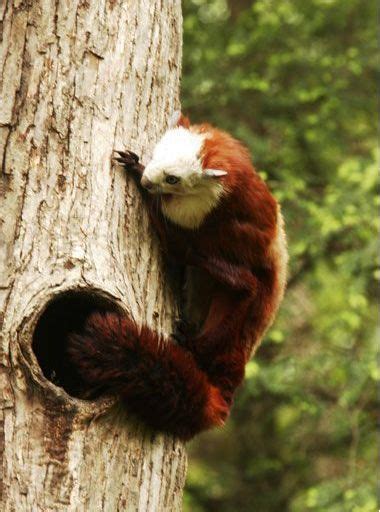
{"points": [[129, 160], [183, 332]]}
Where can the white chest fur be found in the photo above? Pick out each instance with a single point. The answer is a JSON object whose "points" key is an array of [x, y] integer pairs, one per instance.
{"points": [[189, 211]]}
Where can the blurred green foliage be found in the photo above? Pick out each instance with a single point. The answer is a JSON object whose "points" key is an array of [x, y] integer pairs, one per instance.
{"points": [[295, 80]]}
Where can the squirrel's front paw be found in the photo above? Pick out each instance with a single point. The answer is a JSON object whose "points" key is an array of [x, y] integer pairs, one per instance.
{"points": [[129, 160]]}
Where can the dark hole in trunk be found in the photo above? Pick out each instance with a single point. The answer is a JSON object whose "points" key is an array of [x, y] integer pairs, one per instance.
{"points": [[65, 314]]}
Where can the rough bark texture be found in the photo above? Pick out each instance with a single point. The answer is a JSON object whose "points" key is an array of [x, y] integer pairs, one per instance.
{"points": [[79, 78]]}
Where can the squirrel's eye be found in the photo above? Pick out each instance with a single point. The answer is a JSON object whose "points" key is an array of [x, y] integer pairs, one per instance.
{"points": [[172, 180]]}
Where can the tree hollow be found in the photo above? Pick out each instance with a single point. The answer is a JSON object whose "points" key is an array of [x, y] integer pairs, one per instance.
{"points": [[65, 314]]}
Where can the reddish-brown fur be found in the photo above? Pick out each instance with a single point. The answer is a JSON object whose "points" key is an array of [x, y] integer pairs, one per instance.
{"points": [[185, 389]]}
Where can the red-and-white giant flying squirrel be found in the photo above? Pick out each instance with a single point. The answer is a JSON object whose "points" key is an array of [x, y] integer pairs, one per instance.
{"points": [[215, 215]]}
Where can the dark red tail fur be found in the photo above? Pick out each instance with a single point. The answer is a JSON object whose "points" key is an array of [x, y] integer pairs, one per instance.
{"points": [[158, 381]]}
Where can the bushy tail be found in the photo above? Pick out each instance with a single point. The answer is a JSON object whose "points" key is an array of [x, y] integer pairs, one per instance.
{"points": [[158, 381]]}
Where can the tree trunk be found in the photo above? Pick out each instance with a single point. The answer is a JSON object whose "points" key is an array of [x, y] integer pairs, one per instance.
{"points": [[79, 79]]}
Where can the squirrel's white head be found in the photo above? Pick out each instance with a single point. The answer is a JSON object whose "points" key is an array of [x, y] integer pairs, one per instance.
{"points": [[189, 192], [176, 167]]}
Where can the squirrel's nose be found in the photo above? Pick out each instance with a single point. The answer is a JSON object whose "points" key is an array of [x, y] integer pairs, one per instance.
{"points": [[146, 183]]}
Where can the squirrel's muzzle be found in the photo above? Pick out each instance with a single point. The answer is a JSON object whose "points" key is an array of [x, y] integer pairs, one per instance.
{"points": [[146, 183]]}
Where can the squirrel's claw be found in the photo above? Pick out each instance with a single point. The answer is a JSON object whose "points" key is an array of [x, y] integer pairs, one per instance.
{"points": [[126, 156]]}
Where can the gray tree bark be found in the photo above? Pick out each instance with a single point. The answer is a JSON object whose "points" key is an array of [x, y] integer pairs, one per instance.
{"points": [[78, 79]]}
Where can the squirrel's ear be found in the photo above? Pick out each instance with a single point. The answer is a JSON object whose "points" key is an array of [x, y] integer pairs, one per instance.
{"points": [[178, 119], [214, 173]]}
